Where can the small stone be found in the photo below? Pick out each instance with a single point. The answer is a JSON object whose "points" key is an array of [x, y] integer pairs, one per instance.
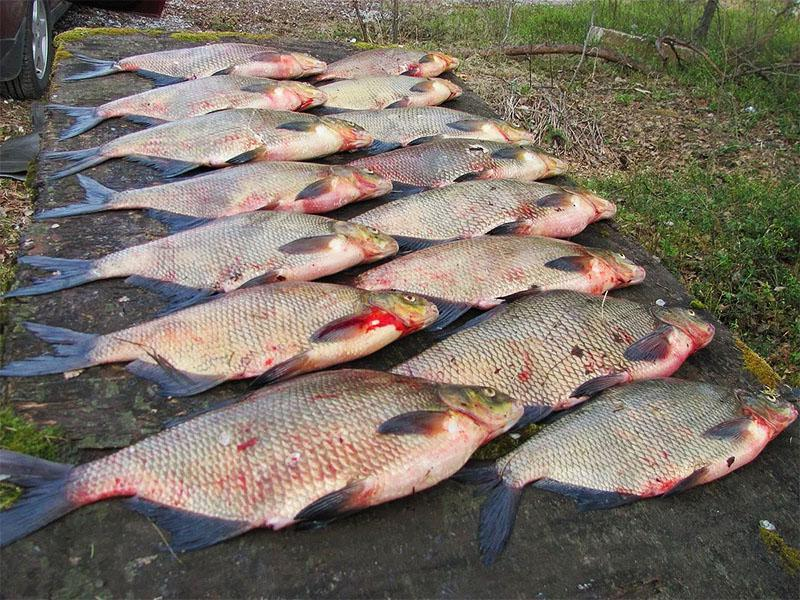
{"points": [[72, 374], [55, 226], [123, 299], [768, 525], [661, 302]]}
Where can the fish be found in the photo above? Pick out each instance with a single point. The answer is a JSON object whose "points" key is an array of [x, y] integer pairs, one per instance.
{"points": [[223, 255], [644, 440], [396, 127], [172, 66], [388, 92], [306, 451], [482, 272], [492, 206], [444, 161], [279, 185], [221, 139], [192, 98], [555, 350], [270, 332], [389, 61]]}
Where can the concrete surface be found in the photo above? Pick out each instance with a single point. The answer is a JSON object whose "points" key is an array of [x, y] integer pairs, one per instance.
{"points": [[704, 543]]}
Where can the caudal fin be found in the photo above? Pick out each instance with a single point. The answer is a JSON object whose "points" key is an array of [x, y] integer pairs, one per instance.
{"points": [[71, 351], [85, 117], [96, 200], [83, 159], [69, 273], [44, 500], [99, 68], [498, 513]]}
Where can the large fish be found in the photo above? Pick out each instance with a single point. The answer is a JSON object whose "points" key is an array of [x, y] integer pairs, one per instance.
{"points": [[554, 350], [388, 92], [269, 331], [279, 185], [171, 66], [193, 98], [389, 61], [312, 449], [480, 272], [222, 139], [647, 439], [395, 127], [444, 161], [223, 255], [497, 206]]}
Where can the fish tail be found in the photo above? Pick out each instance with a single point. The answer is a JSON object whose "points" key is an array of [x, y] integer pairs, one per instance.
{"points": [[97, 199], [44, 500], [83, 159], [99, 68], [498, 513], [69, 273], [71, 350], [85, 117]]}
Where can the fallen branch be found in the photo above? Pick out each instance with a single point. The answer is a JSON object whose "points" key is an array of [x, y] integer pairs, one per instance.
{"points": [[534, 49]]}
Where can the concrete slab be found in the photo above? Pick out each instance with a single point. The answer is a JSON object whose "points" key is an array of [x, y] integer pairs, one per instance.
{"points": [[704, 543]]}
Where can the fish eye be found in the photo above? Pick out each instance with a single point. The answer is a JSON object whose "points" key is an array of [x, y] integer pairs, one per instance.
{"points": [[691, 313], [490, 392], [409, 298]]}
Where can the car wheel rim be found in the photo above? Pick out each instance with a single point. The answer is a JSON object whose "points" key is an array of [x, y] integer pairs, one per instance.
{"points": [[39, 40]]}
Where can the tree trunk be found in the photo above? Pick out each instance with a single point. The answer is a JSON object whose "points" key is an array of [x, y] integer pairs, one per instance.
{"points": [[701, 31]]}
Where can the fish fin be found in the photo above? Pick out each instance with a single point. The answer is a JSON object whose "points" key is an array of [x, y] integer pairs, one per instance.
{"points": [[288, 368], [478, 472], [401, 189], [44, 500], [510, 228], [532, 414], [245, 157], [418, 422], [319, 188], [82, 159], [257, 87], [305, 126], [192, 414], [424, 139], [333, 505], [266, 56], [85, 118], [99, 68], [511, 151], [697, 477], [412, 244], [264, 278], [555, 200], [225, 71], [96, 200], [448, 311], [571, 264], [423, 86], [531, 291], [402, 103], [498, 513], [159, 79], [652, 347], [471, 176], [308, 245], [71, 273], [176, 222], [733, 430], [188, 530], [144, 120], [342, 329], [485, 316], [179, 296], [172, 381], [468, 125], [381, 146], [71, 351], [586, 498], [598, 384], [166, 166]]}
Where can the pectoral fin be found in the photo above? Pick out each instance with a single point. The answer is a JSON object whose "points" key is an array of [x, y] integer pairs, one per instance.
{"points": [[654, 346], [734, 430], [423, 86], [309, 245], [344, 329], [419, 422], [556, 200], [598, 384], [303, 126], [571, 264]]}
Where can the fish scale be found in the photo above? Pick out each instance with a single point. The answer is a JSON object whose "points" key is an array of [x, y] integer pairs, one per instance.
{"points": [[389, 61], [542, 348], [191, 63], [381, 92]]}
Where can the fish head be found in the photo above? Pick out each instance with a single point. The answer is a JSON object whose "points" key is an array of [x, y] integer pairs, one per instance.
{"points": [[432, 64], [768, 407], [306, 96], [623, 271], [493, 410], [373, 244], [454, 91], [305, 64], [353, 136], [524, 162], [367, 183], [411, 311], [700, 331], [506, 132], [603, 209]]}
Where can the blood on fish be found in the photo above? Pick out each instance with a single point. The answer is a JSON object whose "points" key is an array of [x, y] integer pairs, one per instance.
{"points": [[380, 318], [523, 376], [246, 444]]}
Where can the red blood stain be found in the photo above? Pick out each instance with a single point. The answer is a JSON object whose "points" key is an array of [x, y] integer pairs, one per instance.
{"points": [[269, 362], [523, 376], [323, 396], [665, 454], [247, 444]]}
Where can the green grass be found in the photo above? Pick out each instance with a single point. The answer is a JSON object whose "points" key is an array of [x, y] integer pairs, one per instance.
{"points": [[734, 239]]}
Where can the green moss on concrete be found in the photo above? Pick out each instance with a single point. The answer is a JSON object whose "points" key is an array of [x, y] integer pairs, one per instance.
{"points": [[756, 365], [60, 55], [371, 46], [697, 304], [218, 36], [789, 556], [81, 33], [506, 443]]}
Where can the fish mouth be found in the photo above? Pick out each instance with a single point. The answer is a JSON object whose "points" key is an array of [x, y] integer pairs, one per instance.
{"points": [[455, 90], [555, 166], [371, 185], [701, 335], [603, 209], [311, 65], [637, 274]]}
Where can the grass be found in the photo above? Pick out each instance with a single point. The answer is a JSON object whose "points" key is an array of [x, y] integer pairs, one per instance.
{"points": [[734, 239]]}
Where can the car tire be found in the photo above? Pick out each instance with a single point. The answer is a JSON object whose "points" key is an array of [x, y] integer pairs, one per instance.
{"points": [[37, 55]]}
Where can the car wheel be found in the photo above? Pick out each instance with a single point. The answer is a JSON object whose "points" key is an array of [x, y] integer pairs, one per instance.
{"points": [[37, 57]]}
